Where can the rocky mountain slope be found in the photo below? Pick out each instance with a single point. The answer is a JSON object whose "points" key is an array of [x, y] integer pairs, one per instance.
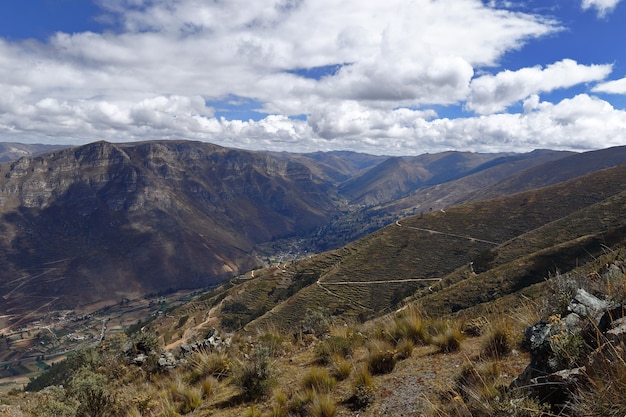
{"points": [[102, 221], [449, 260]]}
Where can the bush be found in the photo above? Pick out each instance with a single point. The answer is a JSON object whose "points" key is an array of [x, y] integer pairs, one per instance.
{"points": [[255, 376], [90, 390], [273, 342]]}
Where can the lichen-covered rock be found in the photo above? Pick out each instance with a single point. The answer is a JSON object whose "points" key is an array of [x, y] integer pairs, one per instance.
{"points": [[565, 352]]}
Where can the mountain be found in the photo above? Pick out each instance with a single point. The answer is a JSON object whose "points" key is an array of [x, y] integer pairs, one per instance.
{"points": [[552, 172], [397, 176], [340, 320], [101, 222], [448, 261], [12, 151]]}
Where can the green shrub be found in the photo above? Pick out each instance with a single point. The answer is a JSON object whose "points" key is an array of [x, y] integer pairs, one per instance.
{"points": [[255, 375], [90, 390]]}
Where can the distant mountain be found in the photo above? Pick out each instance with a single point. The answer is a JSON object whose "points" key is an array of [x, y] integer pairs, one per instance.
{"points": [[13, 151], [398, 176], [102, 222], [106, 221], [552, 172]]}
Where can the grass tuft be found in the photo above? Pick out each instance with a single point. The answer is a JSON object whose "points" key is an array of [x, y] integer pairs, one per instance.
{"points": [[318, 380], [322, 406], [448, 339]]}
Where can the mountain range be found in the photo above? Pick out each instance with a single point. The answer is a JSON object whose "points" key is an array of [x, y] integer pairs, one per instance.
{"points": [[98, 223]]}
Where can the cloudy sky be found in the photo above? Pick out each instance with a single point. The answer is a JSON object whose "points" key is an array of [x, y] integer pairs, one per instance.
{"points": [[385, 77]]}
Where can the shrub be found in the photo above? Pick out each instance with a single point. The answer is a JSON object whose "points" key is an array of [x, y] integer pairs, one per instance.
{"points": [[90, 390], [273, 342], [319, 380], [254, 376], [562, 289], [54, 403]]}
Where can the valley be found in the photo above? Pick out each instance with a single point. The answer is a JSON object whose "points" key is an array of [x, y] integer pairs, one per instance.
{"points": [[104, 243]]}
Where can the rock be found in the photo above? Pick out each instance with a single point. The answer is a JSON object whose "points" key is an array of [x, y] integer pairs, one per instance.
{"points": [[558, 387], [617, 335], [140, 359], [588, 306], [167, 361], [559, 346]]}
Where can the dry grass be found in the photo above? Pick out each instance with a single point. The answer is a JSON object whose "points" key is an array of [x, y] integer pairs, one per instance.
{"points": [[448, 338], [318, 380]]}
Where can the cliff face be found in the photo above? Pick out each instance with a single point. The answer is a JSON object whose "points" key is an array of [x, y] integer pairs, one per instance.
{"points": [[103, 221]]}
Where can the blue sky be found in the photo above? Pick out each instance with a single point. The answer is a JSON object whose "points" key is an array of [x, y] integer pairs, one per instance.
{"points": [[397, 77]]}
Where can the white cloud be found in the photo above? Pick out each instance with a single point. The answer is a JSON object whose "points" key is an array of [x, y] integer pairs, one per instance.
{"points": [[151, 77], [494, 93], [611, 87], [602, 6]]}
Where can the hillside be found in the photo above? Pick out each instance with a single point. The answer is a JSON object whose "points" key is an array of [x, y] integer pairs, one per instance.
{"points": [[11, 151], [103, 222], [523, 237], [128, 220], [530, 326]]}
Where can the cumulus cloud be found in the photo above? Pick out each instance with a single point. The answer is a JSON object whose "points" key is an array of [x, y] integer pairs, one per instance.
{"points": [[151, 75], [611, 87], [494, 93], [602, 6]]}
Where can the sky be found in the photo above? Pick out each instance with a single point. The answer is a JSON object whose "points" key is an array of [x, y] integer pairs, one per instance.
{"points": [[393, 77]]}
